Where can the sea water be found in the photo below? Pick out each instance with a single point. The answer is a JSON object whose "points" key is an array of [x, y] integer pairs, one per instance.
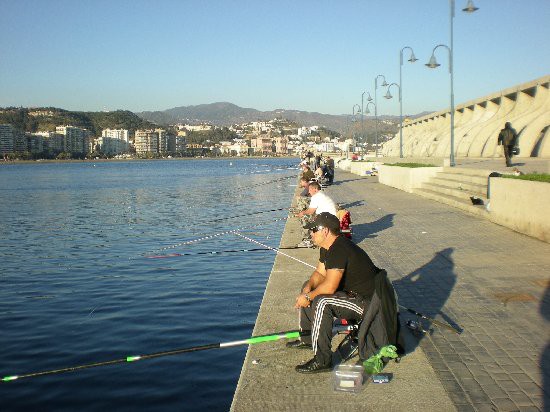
{"points": [[84, 278]]}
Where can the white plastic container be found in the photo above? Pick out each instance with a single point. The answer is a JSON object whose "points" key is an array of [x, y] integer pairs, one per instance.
{"points": [[349, 378]]}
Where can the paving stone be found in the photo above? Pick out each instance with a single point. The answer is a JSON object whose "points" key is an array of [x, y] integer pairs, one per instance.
{"points": [[508, 385], [520, 399], [505, 405], [494, 391]]}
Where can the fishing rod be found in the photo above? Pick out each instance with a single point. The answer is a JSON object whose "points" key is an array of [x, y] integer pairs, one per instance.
{"points": [[238, 189], [210, 236], [214, 252], [248, 214], [414, 312], [291, 334]]}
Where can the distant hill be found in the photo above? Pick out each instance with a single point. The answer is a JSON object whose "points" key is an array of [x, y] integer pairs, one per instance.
{"points": [[226, 114], [47, 118]]}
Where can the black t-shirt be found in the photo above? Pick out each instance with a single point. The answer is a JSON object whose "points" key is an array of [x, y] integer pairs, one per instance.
{"points": [[359, 270]]}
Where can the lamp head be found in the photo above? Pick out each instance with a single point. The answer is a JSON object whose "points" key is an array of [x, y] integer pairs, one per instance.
{"points": [[384, 84], [367, 111], [470, 8], [432, 64], [413, 57], [388, 95], [369, 99]]}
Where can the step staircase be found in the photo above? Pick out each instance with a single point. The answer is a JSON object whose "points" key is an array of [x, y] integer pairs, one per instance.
{"points": [[456, 186]]}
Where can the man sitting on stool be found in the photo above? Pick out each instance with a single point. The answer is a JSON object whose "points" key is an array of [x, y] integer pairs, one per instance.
{"points": [[341, 286]]}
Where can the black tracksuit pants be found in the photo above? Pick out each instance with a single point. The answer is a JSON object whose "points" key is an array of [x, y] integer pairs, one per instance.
{"points": [[319, 317]]}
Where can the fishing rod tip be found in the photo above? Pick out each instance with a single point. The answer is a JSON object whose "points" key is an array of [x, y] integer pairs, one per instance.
{"points": [[9, 378]]}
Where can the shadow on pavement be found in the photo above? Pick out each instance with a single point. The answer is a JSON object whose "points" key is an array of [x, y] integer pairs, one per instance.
{"points": [[352, 204], [545, 360], [426, 290], [336, 183], [369, 230]]}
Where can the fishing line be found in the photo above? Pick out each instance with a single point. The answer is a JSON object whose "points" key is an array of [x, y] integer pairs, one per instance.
{"points": [[274, 249], [134, 358], [210, 236]]}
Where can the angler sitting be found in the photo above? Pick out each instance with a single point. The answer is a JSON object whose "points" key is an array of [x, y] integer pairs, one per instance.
{"points": [[342, 286], [318, 204]]}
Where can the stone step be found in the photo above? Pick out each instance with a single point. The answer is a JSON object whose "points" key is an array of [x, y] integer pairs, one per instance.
{"points": [[462, 204], [463, 177], [467, 171], [452, 191], [474, 188]]}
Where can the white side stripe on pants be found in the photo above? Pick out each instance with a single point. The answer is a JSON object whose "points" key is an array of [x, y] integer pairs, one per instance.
{"points": [[319, 314]]}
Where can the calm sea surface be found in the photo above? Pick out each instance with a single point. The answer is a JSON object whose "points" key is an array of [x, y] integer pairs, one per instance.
{"points": [[76, 286]]}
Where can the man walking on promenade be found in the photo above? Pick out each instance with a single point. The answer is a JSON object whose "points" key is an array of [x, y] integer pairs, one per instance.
{"points": [[341, 286], [508, 139]]}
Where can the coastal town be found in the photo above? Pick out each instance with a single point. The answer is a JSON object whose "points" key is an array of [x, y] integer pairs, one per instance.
{"points": [[277, 137]]}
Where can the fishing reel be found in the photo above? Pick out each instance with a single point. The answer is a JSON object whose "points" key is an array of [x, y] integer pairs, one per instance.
{"points": [[416, 327]]}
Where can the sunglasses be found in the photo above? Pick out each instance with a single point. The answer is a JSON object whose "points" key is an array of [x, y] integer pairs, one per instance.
{"points": [[316, 229]]}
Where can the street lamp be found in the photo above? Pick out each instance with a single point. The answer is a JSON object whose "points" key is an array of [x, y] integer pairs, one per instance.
{"points": [[412, 59], [432, 64], [384, 84], [389, 96], [369, 101]]}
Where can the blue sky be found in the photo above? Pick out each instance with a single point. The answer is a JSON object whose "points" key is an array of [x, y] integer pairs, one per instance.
{"points": [[305, 55]]}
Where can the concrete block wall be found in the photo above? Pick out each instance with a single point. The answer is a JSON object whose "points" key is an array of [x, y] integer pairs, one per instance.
{"points": [[477, 124]]}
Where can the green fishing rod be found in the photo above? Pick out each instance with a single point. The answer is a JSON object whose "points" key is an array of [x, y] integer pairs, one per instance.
{"points": [[291, 334]]}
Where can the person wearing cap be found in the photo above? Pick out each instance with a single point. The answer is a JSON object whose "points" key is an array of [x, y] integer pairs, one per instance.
{"points": [[318, 203], [307, 173], [341, 287]]}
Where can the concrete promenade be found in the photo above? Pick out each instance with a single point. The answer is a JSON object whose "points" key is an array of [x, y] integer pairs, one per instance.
{"points": [[483, 278]]}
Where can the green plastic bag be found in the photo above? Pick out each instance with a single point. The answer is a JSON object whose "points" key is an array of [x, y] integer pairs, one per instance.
{"points": [[374, 364]]}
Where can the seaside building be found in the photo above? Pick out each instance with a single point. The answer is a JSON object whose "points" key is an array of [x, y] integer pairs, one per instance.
{"points": [[146, 141], [118, 140], [35, 143], [52, 142], [180, 142], [6, 139], [76, 139], [281, 145], [262, 144]]}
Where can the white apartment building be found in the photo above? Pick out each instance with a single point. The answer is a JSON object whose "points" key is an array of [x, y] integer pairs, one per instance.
{"points": [[119, 140], [146, 141], [6, 139], [76, 139], [196, 128]]}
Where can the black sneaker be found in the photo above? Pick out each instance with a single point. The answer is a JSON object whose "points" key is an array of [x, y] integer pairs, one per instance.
{"points": [[298, 344], [313, 366]]}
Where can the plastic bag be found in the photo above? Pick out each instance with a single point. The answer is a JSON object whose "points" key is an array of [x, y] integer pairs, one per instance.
{"points": [[374, 364]]}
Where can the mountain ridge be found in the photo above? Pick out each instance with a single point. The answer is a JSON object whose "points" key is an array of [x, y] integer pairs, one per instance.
{"points": [[226, 114]]}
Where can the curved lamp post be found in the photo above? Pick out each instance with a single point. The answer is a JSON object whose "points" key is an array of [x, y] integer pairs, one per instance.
{"points": [[384, 84], [389, 96], [369, 101], [411, 59], [432, 64]]}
